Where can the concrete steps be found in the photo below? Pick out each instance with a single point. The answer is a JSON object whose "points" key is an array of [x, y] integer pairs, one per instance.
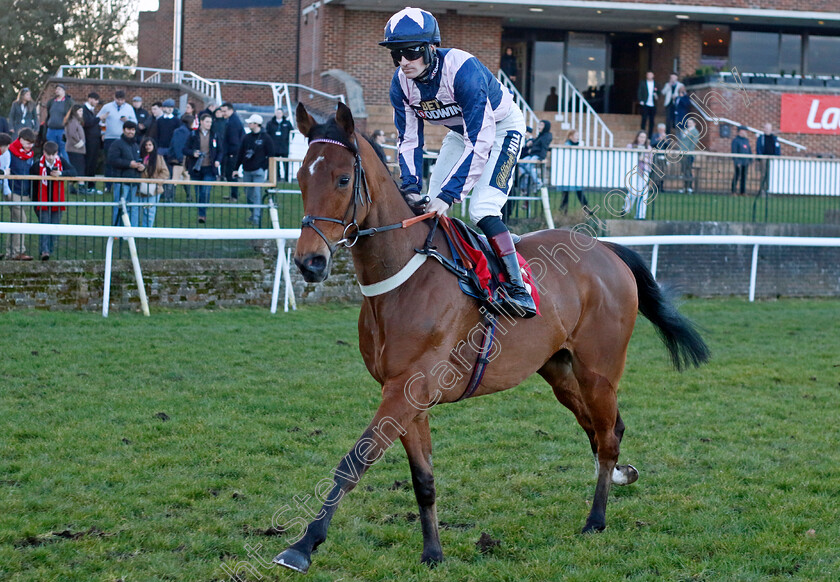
{"points": [[624, 127]]}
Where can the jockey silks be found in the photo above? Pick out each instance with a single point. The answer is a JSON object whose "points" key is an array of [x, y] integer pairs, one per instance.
{"points": [[461, 94]]}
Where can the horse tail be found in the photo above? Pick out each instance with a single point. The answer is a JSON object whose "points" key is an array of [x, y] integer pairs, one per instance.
{"points": [[679, 333]]}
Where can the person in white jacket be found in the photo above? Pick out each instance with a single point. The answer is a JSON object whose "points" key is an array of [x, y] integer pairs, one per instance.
{"points": [[670, 92]]}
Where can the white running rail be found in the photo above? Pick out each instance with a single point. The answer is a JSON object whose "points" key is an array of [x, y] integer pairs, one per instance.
{"points": [[575, 112], [531, 119], [112, 232], [755, 241]]}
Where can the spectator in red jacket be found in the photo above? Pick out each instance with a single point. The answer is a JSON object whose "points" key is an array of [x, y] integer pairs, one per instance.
{"points": [[50, 191]]}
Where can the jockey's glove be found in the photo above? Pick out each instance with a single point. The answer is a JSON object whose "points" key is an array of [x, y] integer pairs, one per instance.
{"points": [[416, 200], [439, 206]]}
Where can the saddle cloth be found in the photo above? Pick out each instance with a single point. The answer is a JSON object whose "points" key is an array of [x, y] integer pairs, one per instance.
{"points": [[488, 273]]}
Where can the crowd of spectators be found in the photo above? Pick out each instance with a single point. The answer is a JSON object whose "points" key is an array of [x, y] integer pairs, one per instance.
{"points": [[126, 140]]}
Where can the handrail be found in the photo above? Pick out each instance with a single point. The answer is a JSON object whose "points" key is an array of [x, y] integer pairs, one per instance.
{"points": [[281, 95], [212, 88], [575, 112], [716, 120], [207, 87], [531, 119]]}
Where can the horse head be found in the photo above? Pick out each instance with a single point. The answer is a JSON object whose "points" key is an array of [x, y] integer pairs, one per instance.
{"points": [[333, 188]]}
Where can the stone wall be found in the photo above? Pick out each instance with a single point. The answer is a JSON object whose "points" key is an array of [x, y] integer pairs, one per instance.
{"points": [[719, 270], [207, 283]]}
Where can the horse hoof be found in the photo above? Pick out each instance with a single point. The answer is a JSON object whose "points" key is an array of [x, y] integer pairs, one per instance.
{"points": [[293, 560], [593, 528], [624, 475], [431, 561]]}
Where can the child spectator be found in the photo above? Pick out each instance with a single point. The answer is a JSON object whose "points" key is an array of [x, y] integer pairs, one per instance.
{"points": [[638, 181], [50, 164]]}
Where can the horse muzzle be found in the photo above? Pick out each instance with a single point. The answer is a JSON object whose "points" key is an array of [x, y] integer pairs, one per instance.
{"points": [[314, 267]]}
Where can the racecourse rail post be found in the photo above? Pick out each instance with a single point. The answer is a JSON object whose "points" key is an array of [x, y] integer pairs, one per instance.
{"points": [[135, 262], [282, 267], [753, 272], [654, 260], [106, 292]]}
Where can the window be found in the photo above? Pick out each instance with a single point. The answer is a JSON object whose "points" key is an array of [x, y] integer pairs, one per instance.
{"points": [[548, 66], [715, 51], [755, 52], [790, 54], [823, 55]]}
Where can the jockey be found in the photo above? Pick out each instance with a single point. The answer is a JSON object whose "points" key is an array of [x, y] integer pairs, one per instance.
{"points": [[451, 87]]}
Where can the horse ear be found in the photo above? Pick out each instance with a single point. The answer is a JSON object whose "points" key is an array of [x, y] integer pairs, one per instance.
{"points": [[345, 119], [304, 120]]}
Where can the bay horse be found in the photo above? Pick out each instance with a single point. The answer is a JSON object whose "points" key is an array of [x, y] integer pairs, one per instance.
{"points": [[417, 334]]}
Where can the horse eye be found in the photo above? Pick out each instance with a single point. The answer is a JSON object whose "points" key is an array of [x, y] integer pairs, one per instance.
{"points": [[343, 181]]}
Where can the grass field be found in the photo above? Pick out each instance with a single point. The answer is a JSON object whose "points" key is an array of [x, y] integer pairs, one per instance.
{"points": [[155, 449]]}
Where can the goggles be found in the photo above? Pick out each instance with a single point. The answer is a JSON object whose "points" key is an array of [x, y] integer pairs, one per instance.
{"points": [[410, 53]]}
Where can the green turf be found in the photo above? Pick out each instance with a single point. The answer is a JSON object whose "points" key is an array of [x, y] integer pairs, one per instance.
{"points": [[738, 460]]}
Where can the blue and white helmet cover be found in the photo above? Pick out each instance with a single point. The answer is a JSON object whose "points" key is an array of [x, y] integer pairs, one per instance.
{"points": [[411, 25]]}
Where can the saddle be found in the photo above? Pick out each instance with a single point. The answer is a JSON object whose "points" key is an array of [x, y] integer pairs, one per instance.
{"points": [[479, 272]]}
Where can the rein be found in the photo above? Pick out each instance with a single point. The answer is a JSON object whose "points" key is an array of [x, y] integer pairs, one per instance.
{"points": [[352, 233]]}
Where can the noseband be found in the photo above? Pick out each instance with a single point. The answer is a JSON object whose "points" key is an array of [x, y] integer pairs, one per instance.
{"points": [[351, 229]]}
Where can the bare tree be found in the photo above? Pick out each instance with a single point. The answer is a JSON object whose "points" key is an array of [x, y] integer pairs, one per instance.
{"points": [[100, 31], [32, 45]]}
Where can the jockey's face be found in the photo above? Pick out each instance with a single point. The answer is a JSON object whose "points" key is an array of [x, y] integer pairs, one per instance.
{"points": [[413, 68]]}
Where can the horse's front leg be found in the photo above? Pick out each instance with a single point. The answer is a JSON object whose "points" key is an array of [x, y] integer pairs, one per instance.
{"points": [[393, 415], [418, 446]]}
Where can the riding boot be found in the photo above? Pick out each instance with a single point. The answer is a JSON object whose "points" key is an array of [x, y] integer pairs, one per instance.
{"points": [[515, 299]]}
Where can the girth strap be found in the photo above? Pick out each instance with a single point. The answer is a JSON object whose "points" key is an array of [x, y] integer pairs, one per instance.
{"points": [[481, 360]]}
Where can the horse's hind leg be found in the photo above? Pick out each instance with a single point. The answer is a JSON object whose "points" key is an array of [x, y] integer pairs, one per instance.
{"points": [[558, 373], [418, 446], [599, 397], [622, 474], [591, 398]]}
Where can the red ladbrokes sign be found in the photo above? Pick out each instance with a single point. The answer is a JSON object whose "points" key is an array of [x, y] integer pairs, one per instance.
{"points": [[810, 114]]}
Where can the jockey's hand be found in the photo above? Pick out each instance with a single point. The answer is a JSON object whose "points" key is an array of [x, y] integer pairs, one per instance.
{"points": [[439, 206], [416, 200]]}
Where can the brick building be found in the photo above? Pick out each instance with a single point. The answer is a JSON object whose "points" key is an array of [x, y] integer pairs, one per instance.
{"points": [[604, 48]]}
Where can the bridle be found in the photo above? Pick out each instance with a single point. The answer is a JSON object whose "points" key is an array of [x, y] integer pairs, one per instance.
{"points": [[352, 233], [349, 237]]}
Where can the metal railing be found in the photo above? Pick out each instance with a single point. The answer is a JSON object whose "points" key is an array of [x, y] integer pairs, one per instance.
{"points": [[681, 186], [702, 186], [575, 112], [717, 120], [94, 206], [207, 87], [531, 119]]}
